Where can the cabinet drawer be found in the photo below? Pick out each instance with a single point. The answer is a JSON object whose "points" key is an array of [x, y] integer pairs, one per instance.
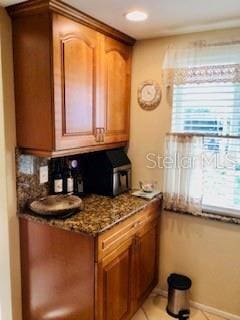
{"points": [[120, 233]]}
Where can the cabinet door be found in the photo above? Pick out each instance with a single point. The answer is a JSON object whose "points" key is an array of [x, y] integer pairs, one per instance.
{"points": [[75, 65], [146, 257], [117, 90], [115, 284]]}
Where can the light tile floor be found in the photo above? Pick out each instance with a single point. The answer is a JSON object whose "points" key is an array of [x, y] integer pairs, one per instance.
{"points": [[154, 308]]}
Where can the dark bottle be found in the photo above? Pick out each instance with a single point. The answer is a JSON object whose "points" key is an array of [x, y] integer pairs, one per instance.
{"points": [[57, 178], [74, 165], [78, 184]]}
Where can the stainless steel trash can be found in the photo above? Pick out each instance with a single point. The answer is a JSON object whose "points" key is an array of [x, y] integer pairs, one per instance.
{"points": [[178, 296]]}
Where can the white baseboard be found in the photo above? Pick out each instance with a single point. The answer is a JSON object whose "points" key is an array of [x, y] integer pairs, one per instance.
{"points": [[202, 307]]}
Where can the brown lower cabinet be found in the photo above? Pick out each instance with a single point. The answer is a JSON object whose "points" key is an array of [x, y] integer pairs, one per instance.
{"points": [[72, 276]]}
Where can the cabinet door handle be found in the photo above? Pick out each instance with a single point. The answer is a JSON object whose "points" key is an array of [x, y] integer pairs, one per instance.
{"points": [[102, 134], [97, 134], [136, 243]]}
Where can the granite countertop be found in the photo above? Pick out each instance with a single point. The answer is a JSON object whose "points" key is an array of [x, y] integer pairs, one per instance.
{"points": [[99, 214]]}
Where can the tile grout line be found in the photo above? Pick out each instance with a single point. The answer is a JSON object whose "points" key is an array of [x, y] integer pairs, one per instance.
{"points": [[145, 313], [205, 316]]}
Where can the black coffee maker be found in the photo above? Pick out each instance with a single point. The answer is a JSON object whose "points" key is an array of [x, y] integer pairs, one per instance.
{"points": [[107, 172]]}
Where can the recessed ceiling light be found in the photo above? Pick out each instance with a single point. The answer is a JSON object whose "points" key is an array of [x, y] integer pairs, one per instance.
{"points": [[136, 15]]}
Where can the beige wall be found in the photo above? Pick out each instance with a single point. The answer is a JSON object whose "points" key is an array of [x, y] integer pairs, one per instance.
{"points": [[10, 299], [205, 250]]}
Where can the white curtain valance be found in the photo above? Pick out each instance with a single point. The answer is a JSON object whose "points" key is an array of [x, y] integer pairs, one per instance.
{"points": [[204, 74], [202, 62]]}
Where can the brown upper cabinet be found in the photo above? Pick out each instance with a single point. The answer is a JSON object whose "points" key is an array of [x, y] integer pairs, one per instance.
{"points": [[72, 80]]}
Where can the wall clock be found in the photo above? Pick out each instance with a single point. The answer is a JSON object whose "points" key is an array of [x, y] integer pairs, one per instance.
{"points": [[149, 95]]}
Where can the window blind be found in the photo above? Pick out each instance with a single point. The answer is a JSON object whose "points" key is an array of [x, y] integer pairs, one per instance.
{"points": [[221, 174], [213, 110], [207, 108]]}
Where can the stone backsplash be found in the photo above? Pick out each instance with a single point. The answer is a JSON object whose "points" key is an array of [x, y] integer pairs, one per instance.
{"points": [[28, 180]]}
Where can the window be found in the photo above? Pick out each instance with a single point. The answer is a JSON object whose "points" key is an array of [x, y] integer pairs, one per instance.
{"points": [[213, 110]]}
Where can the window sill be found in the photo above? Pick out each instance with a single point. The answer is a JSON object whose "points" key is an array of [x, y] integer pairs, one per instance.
{"points": [[226, 212], [210, 216]]}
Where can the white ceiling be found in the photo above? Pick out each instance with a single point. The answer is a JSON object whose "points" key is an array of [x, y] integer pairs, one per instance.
{"points": [[166, 17]]}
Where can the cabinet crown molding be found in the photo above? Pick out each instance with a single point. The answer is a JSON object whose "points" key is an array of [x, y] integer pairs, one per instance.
{"points": [[37, 6]]}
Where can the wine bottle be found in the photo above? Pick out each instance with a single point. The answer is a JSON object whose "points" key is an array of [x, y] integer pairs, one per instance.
{"points": [[79, 184], [69, 180], [57, 178]]}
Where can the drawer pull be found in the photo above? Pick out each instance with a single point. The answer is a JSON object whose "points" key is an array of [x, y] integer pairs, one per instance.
{"points": [[136, 224]]}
